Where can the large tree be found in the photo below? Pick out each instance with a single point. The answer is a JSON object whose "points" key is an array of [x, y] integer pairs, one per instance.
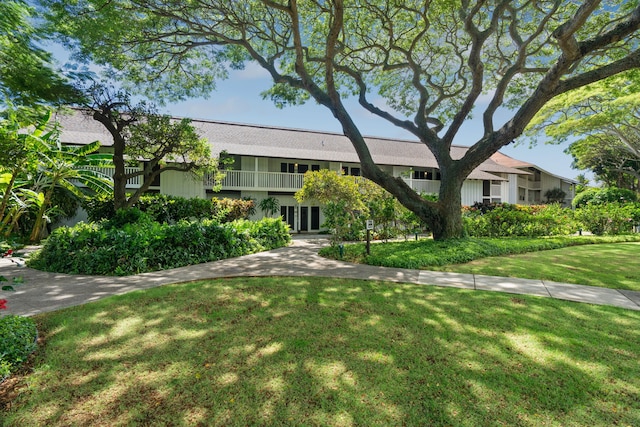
{"points": [[28, 77], [427, 62], [141, 134], [603, 120]]}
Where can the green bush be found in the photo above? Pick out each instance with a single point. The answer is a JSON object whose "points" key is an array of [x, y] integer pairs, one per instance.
{"points": [[599, 196], [171, 209], [17, 341], [507, 220], [144, 245], [609, 218]]}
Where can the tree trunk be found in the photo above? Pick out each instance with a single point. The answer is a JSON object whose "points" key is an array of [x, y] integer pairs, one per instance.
{"points": [[448, 219], [7, 193], [119, 175], [39, 225], [119, 143]]}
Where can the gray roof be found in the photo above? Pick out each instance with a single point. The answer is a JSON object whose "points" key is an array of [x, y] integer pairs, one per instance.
{"points": [[289, 143]]}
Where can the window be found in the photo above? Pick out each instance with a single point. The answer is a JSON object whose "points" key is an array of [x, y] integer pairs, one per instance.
{"points": [[351, 171], [287, 167], [297, 168]]}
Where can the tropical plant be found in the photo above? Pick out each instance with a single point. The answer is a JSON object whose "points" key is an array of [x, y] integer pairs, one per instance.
{"points": [[67, 167], [555, 195], [269, 206]]}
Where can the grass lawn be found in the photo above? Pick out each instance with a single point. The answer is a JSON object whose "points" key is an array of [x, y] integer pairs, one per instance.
{"points": [[614, 266], [314, 351], [606, 261]]}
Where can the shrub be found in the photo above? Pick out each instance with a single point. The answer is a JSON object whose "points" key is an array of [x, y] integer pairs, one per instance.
{"points": [[99, 207], [599, 196], [507, 220], [172, 209], [144, 245], [610, 218], [555, 195], [17, 341]]}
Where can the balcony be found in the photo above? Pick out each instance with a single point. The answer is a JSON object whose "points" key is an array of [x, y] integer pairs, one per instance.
{"points": [[134, 182], [280, 181], [531, 185], [423, 185], [252, 180], [266, 181]]}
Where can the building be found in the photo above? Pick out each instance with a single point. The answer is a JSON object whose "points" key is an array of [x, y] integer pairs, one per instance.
{"points": [[271, 162]]}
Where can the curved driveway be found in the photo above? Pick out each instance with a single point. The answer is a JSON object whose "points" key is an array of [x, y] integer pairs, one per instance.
{"points": [[42, 292]]}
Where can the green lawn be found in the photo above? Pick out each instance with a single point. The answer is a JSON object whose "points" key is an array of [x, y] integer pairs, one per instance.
{"points": [[315, 351], [614, 266], [606, 261]]}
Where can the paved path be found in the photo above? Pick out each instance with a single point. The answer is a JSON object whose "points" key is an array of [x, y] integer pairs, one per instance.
{"points": [[43, 292]]}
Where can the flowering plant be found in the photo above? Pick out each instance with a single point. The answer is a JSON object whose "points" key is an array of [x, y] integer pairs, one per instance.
{"points": [[14, 282]]}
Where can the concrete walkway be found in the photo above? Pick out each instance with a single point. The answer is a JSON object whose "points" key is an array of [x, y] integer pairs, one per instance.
{"points": [[43, 292]]}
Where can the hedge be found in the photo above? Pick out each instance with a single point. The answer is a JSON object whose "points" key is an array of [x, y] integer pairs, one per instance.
{"points": [[171, 209], [145, 245]]}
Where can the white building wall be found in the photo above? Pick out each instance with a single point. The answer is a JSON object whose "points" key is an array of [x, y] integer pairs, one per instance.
{"points": [[471, 192], [510, 189], [182, 184]]}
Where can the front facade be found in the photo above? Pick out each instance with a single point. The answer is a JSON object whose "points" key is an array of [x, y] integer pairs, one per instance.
{"points": [[271, 162]]}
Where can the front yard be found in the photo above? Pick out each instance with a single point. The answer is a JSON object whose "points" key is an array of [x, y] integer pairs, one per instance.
{"points": [[314, 351]]}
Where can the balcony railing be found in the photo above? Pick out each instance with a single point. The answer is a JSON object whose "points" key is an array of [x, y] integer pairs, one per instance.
{"points": [[531, 185], [134, 182], [281, 181], [252, 180], [423, 185]]}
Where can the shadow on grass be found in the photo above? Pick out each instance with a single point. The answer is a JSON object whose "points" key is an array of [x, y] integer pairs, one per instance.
{"points": [[586, 265], [292, 351]]}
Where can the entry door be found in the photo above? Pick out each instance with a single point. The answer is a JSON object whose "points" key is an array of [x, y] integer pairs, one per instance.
{"points": [[304, 218], [288, 214], [315, 218]]}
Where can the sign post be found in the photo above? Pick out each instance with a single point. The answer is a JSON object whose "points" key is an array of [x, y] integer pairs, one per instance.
{"points": [[369, 228]]}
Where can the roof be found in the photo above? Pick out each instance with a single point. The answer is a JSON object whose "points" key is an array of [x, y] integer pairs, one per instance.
{"points": [[505, 160], [289, 143]]}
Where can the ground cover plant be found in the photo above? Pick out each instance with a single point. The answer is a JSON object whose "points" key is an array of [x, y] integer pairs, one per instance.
{"points": [[427, 253], [577, 264], [17, 340], [317, 351], [132, 243]]}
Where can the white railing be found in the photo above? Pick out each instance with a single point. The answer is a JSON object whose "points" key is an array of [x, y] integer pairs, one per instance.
{"points": [[532, 185], [423, 185], [134, 182], [245, 180], [252, 180]]}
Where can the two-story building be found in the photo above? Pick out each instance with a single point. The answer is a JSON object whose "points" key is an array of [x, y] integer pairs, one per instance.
{"points": [[271, 162]]}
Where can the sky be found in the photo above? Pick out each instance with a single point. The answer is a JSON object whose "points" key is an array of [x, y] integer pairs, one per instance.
{"points": [[238, 99]]}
